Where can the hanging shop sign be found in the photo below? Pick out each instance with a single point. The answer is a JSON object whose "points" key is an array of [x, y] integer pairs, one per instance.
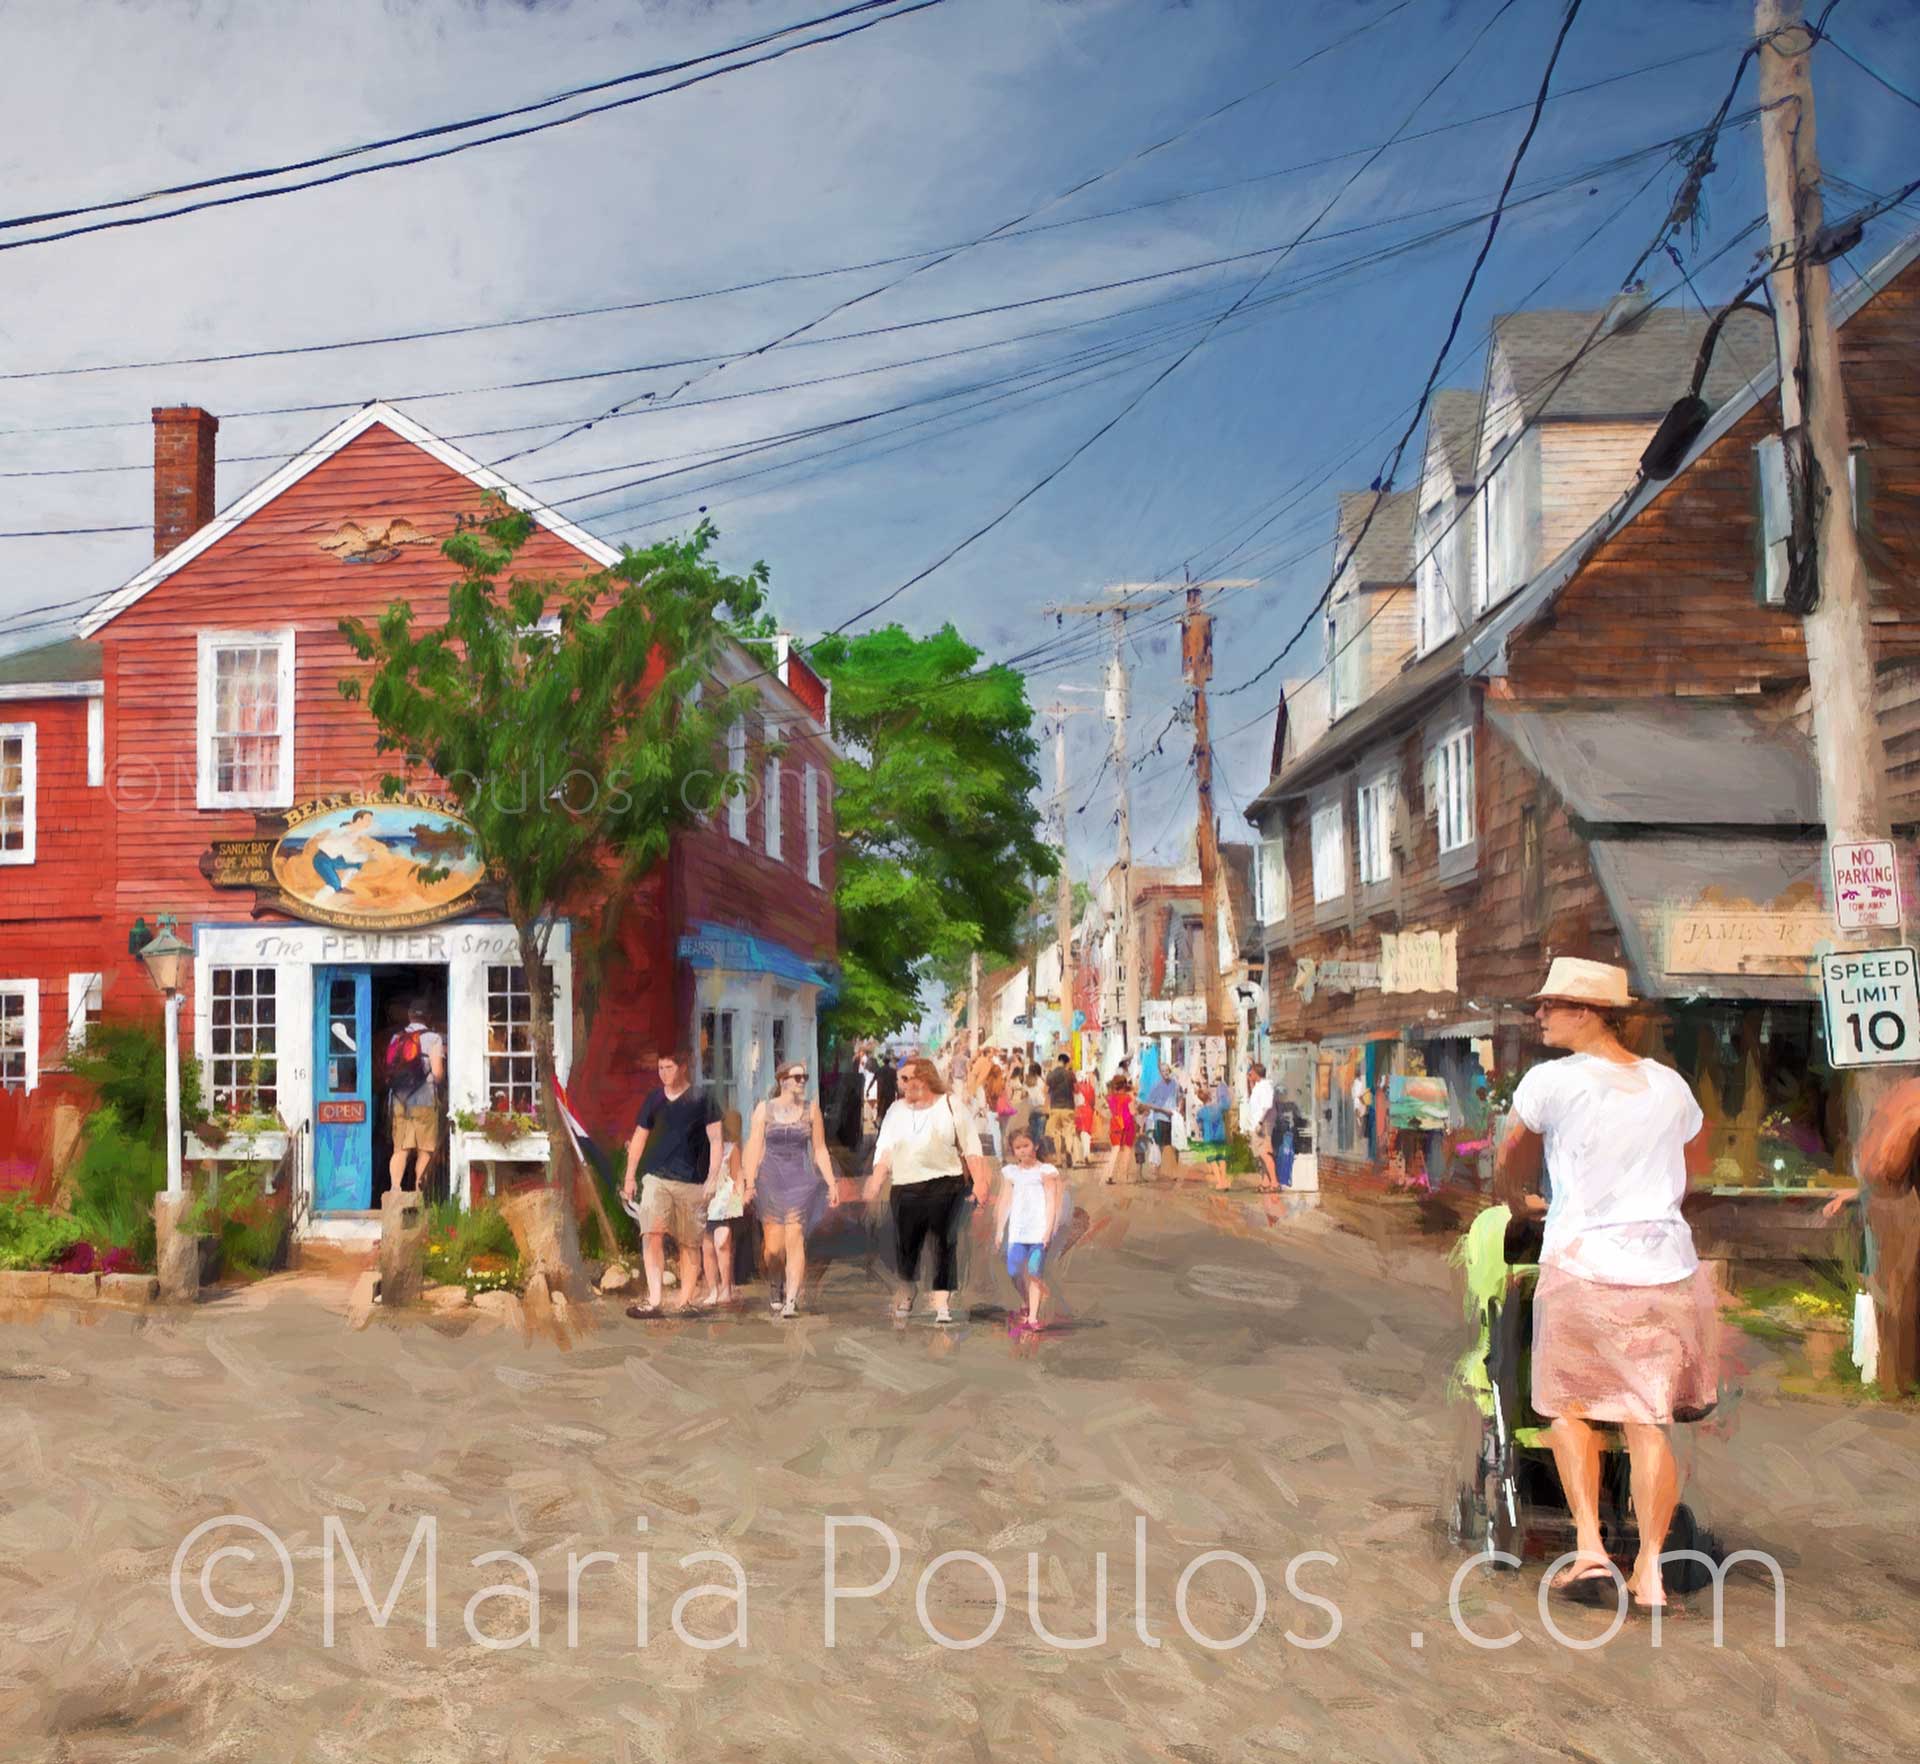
{"points": [[359, 862], [1866, 885], [1310, 975], [1172, 1016], [1746, 942], [1419, 961]]}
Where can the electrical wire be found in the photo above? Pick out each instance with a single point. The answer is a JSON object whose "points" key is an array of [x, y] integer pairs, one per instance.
{"points": [[141, 220]]}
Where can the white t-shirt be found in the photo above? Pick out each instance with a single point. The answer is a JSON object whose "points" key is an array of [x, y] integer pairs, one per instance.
{"points": [[926, 1143], [1027, 1217], [1259, 1105], [1615, 1138]]}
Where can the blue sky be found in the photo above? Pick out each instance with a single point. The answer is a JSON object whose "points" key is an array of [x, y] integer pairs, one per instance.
{"points": [[915, 135]]}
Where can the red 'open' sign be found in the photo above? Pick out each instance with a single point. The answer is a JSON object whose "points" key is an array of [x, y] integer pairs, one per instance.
{"points": [[340, 1114]]}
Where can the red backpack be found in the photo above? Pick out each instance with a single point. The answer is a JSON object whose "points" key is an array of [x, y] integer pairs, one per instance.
{"points": [[407, 1065]]}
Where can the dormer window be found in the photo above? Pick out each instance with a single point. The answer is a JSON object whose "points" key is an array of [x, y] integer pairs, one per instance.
{"points": [[245, 719]]}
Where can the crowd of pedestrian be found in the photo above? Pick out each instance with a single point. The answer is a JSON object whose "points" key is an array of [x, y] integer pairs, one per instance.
{"points": [[924, 1147]]}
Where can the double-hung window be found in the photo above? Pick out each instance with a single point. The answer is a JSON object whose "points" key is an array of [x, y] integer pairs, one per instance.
{"points": [[1329, 852], [86, 994], [18, 787], [1453, 790], [243, 1039], [771, 806], [1271, 880], [737, 781], [245, 719], [19, 1034], [1376, 830], [812, 793], [1776, 513]]}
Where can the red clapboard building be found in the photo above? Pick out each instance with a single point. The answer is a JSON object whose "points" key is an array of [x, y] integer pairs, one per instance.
{"points": [[190, 754]]}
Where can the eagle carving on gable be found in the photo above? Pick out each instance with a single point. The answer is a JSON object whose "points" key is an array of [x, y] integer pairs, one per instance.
{"points": [[353, 543]]}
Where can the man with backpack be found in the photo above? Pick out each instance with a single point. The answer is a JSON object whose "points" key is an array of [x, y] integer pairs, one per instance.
{"points": [[416, 1072]]}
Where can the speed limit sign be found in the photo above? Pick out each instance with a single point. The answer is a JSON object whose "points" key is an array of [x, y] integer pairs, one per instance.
{"points": [[1872, 998]]}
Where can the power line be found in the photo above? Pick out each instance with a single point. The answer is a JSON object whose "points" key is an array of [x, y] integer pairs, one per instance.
{"points": [[581, 312], [1166, 373], [141, 220]]}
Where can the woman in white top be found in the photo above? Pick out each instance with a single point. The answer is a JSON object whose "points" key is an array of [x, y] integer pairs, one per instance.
{"points": [[1624, 1316], [928, 1155]]}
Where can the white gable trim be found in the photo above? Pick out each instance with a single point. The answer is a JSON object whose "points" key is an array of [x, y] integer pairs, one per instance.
{"points": [[302, 463]]}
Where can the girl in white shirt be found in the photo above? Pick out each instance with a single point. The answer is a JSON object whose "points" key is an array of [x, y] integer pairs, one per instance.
{"points": [[1026, 1217]]}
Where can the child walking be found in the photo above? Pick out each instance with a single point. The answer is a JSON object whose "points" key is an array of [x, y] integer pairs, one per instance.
{"points": [[726, 1201], [1026, 1216]]}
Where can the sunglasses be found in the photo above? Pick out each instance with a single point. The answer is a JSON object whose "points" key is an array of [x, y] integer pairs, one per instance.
{"points": [[798, 1072]]}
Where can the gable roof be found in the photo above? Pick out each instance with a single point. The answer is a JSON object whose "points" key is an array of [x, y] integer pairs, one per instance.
{"points": [[1385, 554], [1453, 424], [304, 462], [1635, 371], [1486, 651]]}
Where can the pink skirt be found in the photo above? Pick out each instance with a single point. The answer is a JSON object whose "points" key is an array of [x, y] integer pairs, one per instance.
{"points": [[1625, 1353]]}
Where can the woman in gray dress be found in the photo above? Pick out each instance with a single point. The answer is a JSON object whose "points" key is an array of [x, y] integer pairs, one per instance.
{"points": [[789, 1182]]}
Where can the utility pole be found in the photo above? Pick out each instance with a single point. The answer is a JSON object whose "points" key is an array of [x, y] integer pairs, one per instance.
{"points": [[1063, 900], [1196, 656], [973, 1007], [1124, 598], [1848, 747]]}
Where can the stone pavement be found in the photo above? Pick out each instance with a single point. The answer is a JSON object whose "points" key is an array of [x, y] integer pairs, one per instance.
{"points": [[1222, 1385]]}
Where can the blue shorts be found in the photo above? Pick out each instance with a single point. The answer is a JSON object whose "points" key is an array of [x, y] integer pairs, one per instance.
{"points": [[1026, 1259]]}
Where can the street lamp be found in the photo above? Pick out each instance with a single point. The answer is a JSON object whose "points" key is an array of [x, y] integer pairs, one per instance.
{"points": [[166, 957]]}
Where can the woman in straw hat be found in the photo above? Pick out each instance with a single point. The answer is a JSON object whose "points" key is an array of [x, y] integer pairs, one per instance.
{"points": [[1623, 1314]]}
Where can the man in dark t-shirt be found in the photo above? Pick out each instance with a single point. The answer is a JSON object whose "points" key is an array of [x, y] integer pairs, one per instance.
{"points": [[886, 1087], [1061, 1141], [678, 1137]]}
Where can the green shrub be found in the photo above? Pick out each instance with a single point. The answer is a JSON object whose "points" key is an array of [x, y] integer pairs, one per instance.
{"points": [[1240, 1158], [125, 1065], [115, 1179], [31, 1236], [249, 1223], [474, 1249]]}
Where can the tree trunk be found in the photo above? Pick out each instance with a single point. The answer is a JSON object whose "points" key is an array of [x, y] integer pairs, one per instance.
{"points": [[563, 1165]]}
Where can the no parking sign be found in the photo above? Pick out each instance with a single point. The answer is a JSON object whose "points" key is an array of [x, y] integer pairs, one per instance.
{"points": [[1872, 999]]}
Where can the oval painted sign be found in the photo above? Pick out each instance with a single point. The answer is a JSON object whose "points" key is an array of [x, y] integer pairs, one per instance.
{"points": [[378, 865]]}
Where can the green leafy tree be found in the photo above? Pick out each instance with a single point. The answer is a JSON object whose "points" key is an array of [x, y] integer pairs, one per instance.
{"points": [[939, 838], [574, 723]]}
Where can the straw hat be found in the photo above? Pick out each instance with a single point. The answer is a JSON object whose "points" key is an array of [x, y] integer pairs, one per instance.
{"points": [[1599, 985]]}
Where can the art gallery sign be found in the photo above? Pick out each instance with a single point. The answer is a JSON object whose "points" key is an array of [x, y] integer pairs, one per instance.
{"points": [[1420, 961]]}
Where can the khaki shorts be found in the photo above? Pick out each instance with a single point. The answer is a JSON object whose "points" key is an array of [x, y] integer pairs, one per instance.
{"points": [[1060, 1128], [416, 1129], [675, 1209]]}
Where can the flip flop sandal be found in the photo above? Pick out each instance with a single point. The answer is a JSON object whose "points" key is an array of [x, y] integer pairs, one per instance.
{"points": [[645, 1313], [1596, 1588]]}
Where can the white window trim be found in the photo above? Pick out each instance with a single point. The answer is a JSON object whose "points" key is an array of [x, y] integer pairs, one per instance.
{"points": [[770, 808], [1449, 818], [812, 786], [96, 742], [30, 991], [737, 766], [1338, 813], [210, 644], [28, 735], [78, 986], [1375, 829]]}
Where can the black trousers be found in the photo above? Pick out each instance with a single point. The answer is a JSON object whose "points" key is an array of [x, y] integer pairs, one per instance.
{"points": [[930, 1209]]}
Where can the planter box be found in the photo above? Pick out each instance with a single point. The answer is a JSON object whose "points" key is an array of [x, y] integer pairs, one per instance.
{"points": [[129, 1291], [23, 1283], [240, 1148], [73, 1286], [531, 1148], [1749, 1224]]}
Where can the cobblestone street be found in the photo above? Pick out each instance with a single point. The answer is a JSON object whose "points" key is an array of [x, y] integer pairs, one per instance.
{"points": [[1223, 1385]]}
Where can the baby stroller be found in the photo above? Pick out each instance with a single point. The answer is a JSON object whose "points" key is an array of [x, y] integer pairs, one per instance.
{"points": [[1512, 1501]]}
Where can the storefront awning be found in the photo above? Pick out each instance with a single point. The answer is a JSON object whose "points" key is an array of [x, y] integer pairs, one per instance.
{"points": [[1717, 917], [1667, 763], [740, 952]]}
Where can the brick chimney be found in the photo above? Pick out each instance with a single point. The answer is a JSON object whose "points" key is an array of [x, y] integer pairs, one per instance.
{"points": [[182, 474]]}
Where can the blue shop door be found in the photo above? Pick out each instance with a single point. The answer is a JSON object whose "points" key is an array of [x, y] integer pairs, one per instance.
{"points": [[342, 1090]]}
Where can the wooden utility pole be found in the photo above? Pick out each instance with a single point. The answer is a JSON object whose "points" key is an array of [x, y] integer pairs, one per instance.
{"points": [[1196, 656], [973, 1007], [1848, 747], [1063, 899], [1126, 597]]}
